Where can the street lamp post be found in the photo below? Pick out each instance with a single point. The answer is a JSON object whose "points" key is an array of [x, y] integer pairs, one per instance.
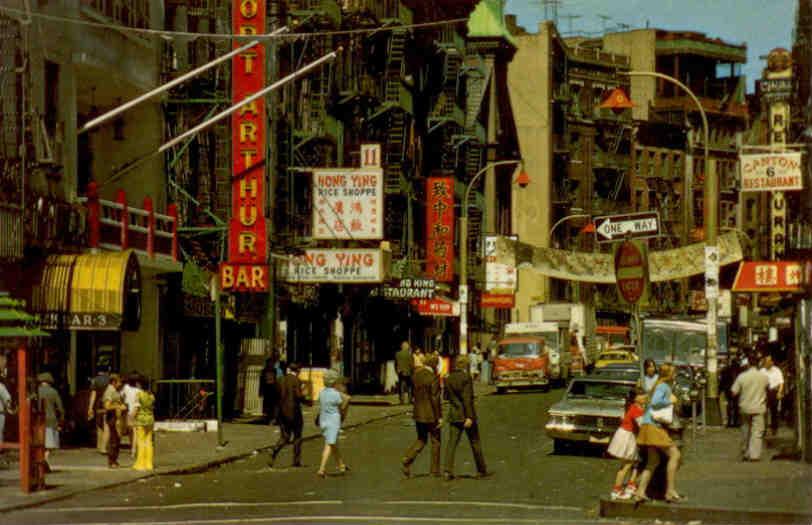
{"points": [[711, 191], [462, 290], [562, 220]]}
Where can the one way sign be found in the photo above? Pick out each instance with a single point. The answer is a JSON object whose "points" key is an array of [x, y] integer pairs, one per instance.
{"points": [[631, 226]]}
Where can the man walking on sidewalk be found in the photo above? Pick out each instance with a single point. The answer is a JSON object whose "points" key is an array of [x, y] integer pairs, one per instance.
{"points": [[775, 390], [462, 417], [427, 415], [290, 415], [404, 363], [751, 389]]}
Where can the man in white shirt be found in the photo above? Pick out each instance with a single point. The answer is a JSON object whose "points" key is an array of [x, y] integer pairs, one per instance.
{"points": [[775, 390], [751, 390], [130, 394]]}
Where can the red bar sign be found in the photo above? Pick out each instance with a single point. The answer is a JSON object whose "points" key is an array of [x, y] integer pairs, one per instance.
{"points": [[440, 228], [247, 234]]}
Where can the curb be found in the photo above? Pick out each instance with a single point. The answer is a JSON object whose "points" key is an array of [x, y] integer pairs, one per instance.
{"points": [[681, 513], [191, 469]]}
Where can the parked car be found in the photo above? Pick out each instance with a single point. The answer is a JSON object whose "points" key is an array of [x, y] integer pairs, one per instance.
{"points": [[629, 371], [618, 355], [590, 411]]}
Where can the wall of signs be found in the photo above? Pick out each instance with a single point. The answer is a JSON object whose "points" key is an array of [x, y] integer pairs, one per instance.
{"points": [[336, 265], [247, 269], [440, 228], [348, 203]]}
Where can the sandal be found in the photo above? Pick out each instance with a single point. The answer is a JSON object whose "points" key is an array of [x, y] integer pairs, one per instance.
{"points": [[674, 497], [637, 499], [321, 474], [344, 469]]}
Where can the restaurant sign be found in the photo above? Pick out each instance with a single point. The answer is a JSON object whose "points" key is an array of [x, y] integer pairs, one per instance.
{"points": [[437, 307], [348, 203], [769, 276], [440, 228], [337, 266], [406, 289], [247, 269], [771, 172]]}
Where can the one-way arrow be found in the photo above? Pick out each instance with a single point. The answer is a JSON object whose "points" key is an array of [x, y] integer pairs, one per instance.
{"points": [[618, 227]]}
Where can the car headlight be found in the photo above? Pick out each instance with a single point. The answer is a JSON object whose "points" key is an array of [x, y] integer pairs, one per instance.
{"points": [[561, 422]]}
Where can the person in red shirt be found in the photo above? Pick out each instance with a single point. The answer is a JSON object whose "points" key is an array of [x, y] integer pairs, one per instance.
{"points": [[624, 445]]}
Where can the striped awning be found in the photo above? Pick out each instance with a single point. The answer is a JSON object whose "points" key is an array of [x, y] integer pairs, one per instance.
{"points": [[94, 291]]}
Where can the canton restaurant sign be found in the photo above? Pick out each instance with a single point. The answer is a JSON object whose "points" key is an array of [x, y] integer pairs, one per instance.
{"points": [[337, 266], [769, 276], [247, 269], [771, 172], [440, 228], [348, 203]]}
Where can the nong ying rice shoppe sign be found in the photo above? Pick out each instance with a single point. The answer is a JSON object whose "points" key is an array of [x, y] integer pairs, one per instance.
{"points": [[247, 268]]}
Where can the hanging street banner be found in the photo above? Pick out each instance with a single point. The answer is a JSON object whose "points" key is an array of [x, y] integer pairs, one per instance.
{"points": [[348, 203], [771, 172], [406, 289], [500, 278], [437, 307], [247, 268], [336, 266], [440, 229], [588, 267], [631, 226], [769, 276]]}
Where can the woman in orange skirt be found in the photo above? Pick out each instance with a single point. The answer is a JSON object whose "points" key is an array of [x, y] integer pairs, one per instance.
{"points": [[655, 439]]}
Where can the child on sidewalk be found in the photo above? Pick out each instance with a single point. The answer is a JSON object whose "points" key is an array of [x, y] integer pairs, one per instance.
{"points": [[624, 445]]}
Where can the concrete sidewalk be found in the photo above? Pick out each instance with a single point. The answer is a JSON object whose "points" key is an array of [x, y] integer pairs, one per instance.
{"points": [[83, 469], [719, 487]]}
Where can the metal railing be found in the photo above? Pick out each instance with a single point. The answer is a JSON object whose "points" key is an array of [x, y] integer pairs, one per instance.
{"points": [[185, 399]]}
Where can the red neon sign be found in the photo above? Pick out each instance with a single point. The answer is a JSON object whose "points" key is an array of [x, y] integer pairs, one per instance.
{"points": [[247, 268]]}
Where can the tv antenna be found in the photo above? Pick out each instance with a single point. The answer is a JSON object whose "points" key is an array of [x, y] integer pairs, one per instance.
{"points": [[569, 19]]}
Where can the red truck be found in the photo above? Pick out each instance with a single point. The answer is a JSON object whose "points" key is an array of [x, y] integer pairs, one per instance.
{"points": [[522, 361]]}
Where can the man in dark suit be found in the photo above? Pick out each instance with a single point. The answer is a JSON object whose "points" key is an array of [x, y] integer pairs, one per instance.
{"points": [[462, 417], [427, 416], [404, 364], [290, 415]]}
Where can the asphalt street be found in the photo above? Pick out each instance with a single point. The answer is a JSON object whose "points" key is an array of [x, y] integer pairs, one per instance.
{"points": [[529, 483]]}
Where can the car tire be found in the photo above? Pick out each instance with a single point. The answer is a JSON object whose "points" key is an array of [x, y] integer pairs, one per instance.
{"points": [[501, 390], [545, 388], [559, 446]]}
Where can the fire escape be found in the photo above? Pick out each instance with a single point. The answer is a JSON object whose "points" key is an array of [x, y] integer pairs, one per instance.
{"points": [[199, 170]]}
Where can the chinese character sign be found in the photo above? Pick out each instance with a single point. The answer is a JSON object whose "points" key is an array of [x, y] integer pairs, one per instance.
{"points": [[348, 203], [246, 269], [440, 228]]}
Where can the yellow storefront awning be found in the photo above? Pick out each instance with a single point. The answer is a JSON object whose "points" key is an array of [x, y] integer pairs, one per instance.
{"points": [[94, 291]]}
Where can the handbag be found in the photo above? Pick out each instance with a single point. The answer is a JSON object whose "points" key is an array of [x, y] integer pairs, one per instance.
{"points": [[317, 422], [664, 416]]}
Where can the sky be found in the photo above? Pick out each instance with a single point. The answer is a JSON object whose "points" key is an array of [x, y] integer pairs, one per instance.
{"points": [[761, 24]]}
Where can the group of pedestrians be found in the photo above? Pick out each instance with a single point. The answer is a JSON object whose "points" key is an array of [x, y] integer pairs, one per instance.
{"points": [[123, 408], [288, 395], [428, 418]]}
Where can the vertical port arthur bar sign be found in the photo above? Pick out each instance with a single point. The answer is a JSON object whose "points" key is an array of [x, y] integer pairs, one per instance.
{"points": [[247, 268]]}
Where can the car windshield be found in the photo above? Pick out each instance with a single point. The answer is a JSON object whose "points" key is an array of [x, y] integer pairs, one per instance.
{"points": [[518, 350], [598, 390], [615, 357]]}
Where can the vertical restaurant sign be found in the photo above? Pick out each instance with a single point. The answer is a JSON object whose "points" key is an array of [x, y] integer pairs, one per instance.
{"points": [[440, 228], [247, 269]]}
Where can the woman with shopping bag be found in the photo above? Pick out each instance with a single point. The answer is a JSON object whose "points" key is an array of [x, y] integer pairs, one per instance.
{"points": [[654, 438]]}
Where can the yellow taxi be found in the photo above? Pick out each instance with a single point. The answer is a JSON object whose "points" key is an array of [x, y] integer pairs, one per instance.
{"points": [[617, 355]]}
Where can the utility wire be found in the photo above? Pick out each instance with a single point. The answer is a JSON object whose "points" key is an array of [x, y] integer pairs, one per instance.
{"points": [[226, 36]]}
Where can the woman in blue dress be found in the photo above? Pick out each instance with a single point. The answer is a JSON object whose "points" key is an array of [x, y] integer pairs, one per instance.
{"points": [[332, 405], [654, 439]]}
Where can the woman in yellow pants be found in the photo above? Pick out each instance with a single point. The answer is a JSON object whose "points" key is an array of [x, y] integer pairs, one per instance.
{"points": [[144, 419]]}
